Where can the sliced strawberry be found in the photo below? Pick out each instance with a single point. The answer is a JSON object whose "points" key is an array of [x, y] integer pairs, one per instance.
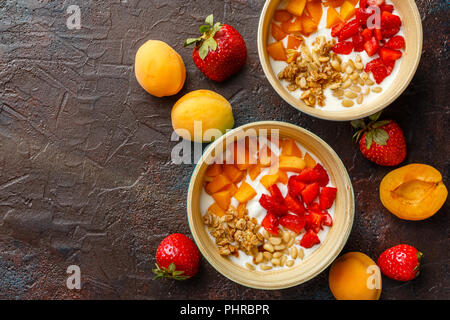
{"points": [[270, 223], [345, 47], [327, 197], [372, 64], [378, 35], [268, 203], [276, 194], [358, 42], [292, 222], [309, 240], [336, 29], [371, 46], [310, 193], [389, 55], [323, 178], [367, 34], [387, 7], [390, 67], [363, 4], [389, 20], [350, 28], [314, 221], [295, 186], [362, 15], [397, 42], [376, 3], [379, 73], [294, 205], [308, 175], [327, 220], [314, 207], [387, 33]]}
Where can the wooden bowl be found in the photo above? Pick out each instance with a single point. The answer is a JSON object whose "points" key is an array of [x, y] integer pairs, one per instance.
{"points": [[412, 29], [319, 259]]}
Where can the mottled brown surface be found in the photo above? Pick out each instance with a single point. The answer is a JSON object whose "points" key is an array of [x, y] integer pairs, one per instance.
{"points": [[85, 172]]}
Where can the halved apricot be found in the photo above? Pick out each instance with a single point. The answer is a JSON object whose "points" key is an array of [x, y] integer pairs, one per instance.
{"points": [[413, 192]]}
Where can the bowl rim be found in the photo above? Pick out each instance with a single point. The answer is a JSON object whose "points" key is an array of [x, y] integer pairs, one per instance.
{"points": [[323, 265], [337, 115]]}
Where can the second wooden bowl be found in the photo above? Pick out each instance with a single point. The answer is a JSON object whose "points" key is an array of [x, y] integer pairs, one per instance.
{"points": [[319, 259], [412, 29]]}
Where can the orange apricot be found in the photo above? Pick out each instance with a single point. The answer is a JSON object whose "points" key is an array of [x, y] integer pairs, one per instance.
{"points": [[276, 51], [223, 199], [214, 170], [217, 184], [296, 7], [277, 32], [291, 163], [294, 42], [310, 162], [314, 9], [233, 173], [282, 16], [333, 17], [347, 10], [413, 192], [355, 276], [217, 210], [159, 69], [308, 25], [245, 193]]}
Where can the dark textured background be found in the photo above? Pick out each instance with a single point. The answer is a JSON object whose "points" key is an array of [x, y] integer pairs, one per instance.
{"points": [[85, 172]]}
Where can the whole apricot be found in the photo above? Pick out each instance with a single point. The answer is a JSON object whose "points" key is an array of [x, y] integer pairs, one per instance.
{"points": [[203, 108], [355, 276], [159, 69], [413, 192]]}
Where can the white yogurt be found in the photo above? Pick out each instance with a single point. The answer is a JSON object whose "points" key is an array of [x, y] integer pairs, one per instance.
{"points": [[332, 103], [255, 210]]}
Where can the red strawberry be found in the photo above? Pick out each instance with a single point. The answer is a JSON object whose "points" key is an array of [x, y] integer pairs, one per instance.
{"points": [[294, 205], [367, 34], [270, 223], [314, 221], [363, 4], [345, 47], [382, 142], [326, 197], [371, 46], [372, 64], [380, 73], [401, 262], [389, 55], [389, 20], [220, 52], [358, 42], [350, 28], [323, 178], [375, 3], [387, 7], [294, 223], [397, 42], [177, 257], [295, 186], [268, 203], [308, 175], [309, 240], [336, 29], [310, 192], [276, 194], [327, 220], [362, 15], [378, 35], [390, 67]]}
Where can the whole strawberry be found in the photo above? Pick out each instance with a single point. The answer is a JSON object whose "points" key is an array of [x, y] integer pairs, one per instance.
{"points": [[177, 257], [401, 262], [220, 52], [382, 142]]}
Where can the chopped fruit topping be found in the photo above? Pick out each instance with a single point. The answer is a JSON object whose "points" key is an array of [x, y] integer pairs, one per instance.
{"points": [[327, 220], [336, 30], [367, 34], [291, 163], [387, 33], [314, 221], [347, 10], [294, 42], [308, 175], [327, 197], [276, 51], [254, 171], [362, 15], [232, 189], [371, 46], [358, 42], [233, 173], [268, 203], [310, 162], [282, 177], [397, 42], [350, 28], [277, 32], [389, 55], [245, 193], [323, 178], [282, 16], [372, 64], [223, 199], [345, 47], [315, 11], [309, 240], [295, 187], [268, 180], [292, 222], [389, 20], [214, 170], [375, 3], [333, 17], [380, 73], [276, 194], [378, 35], [308, 25], [270, 223], [294, 205], [296, 7], [387, 7], [295, 26], [310, 192], [289, 148], [219, 182], [217, 210]]}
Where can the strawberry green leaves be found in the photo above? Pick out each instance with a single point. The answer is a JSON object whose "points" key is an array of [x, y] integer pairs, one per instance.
{"points": [[169, 272], [206, 42], [373, 130]]}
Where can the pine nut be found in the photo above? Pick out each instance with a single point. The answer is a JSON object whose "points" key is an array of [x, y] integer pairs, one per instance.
{"points": [[286, 237], [345, 77], [349, 70], [370, 82], [277, 255], [290, 263], [364, 76], [283, 260], [351, 64], [344, 66], [266, 234], [338, 93], [249, 266], [356, 89], [301, 253], [259, 257], [377, 89], [280, 247], [334, 86], [294, 252], [360, 99], [291, 242], [359, 66], [366, 91], [275, 241], [267, 256], [268, 247], [336, 65], [354, 76], [347, 103], [275, 261], [358, 58], [360, 81], [346, 84], [265, 268], [350, 95]]}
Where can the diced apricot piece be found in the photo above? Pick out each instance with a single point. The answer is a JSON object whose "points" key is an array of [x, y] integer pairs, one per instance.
{"points": [[347, 10], [294, 42], [245, 193], [310, 162], [219, 182], [349, 277], [223, 199], [282, 177], [242, 209], [285, 26], [295, 26], [290, 148], [233, 173], [254, 171], [269, 180], [333, 3], [217, 210], [276, 51], [282, 16], [290, 163], [308, 25], [353, 2], [231, 188], [296, 7], [315, 11], [214, 170], [413, 192], [333, 17], [277, 32]]}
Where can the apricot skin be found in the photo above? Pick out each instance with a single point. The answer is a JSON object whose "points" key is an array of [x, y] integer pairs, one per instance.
{"points": [[348, 277], [413, 192], [159, 69], [213, 110]]}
